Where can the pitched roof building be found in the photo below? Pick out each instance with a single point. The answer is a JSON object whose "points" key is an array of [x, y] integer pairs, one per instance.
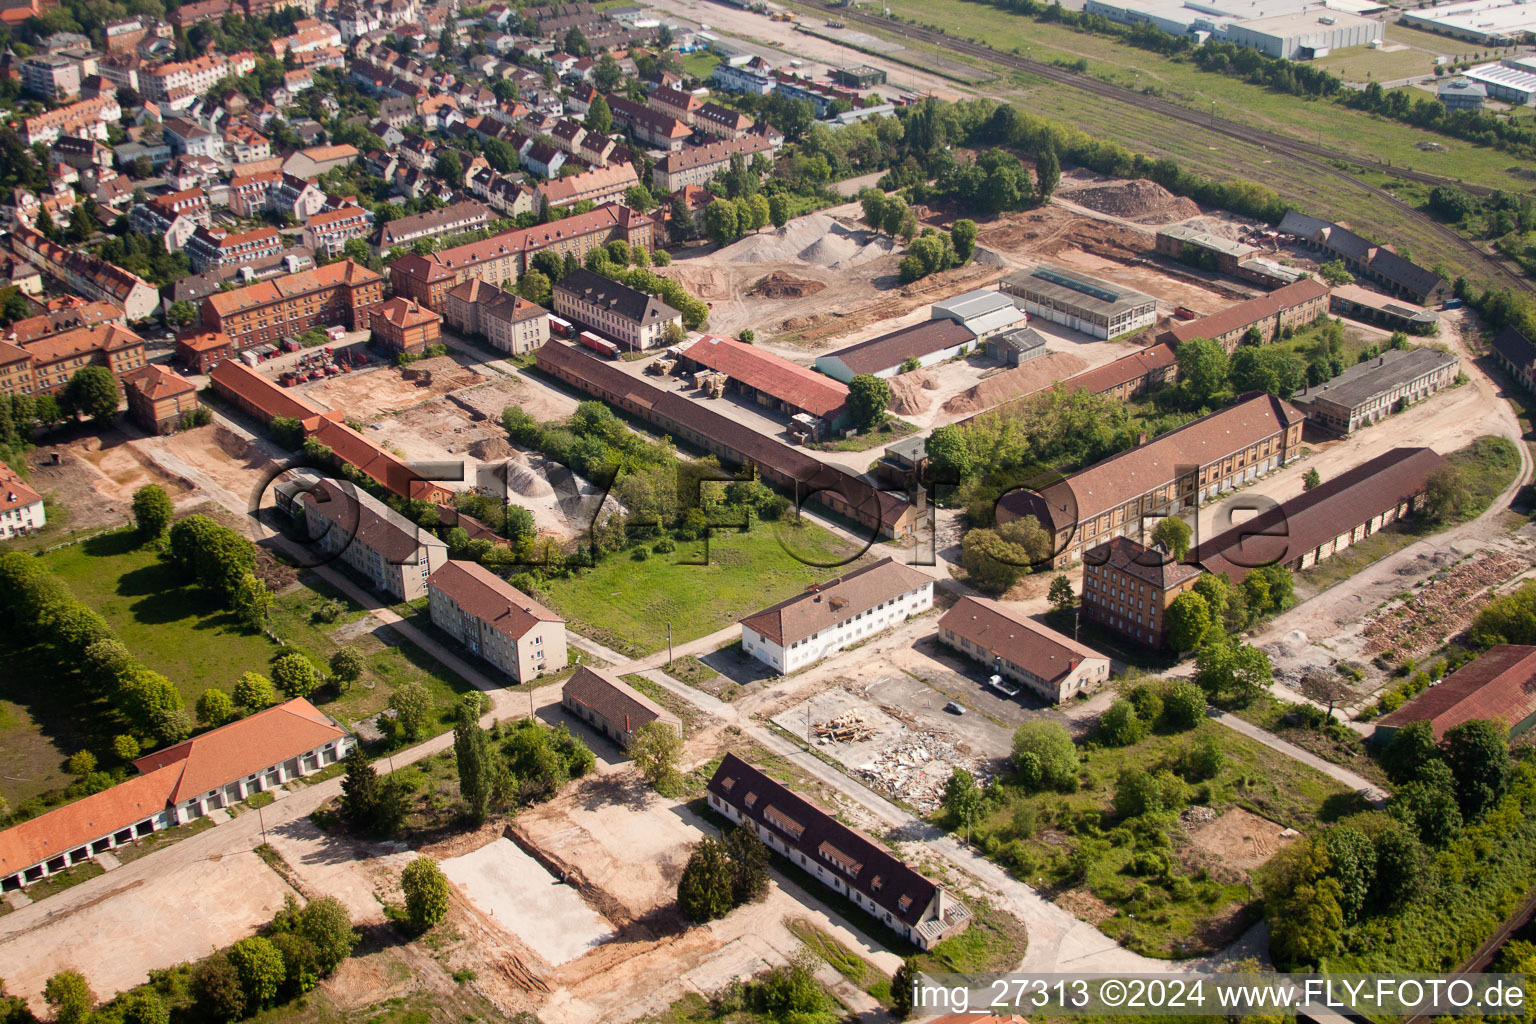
{"points": [[848, 862], [1371, 391], [447, 220], [1053, 667], [496, 621], [176, 785], [1316, 524], [1179, 469], [634, 318], [611, 706], [695, 165], [1127, 588], [86, 275], [1517, 354], [885, 513], [928, 342], [269, 311], [1500, 685], [392, 553], [773, 380], [829, 616], [1292, 306], [21, 508]]}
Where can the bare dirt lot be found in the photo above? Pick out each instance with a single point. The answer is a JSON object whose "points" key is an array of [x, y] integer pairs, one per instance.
{"points": [[1238, 840], [195, 908], [622, 849], [97, 475], [375, 392]]}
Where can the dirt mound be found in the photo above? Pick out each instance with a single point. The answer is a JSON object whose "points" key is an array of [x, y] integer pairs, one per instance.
{"points": [[817, 239], [1010, 384], [441, 372], [779, 285], [522, 479], [493, 449], [907, 397], [1133, 199]]}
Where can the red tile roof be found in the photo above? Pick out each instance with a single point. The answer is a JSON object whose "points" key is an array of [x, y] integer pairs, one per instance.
{"points": [[69, 827], [155, 382], [215, 758], [1037, 649], [14, 492], [771, 374], [1245, 313], [234, 379], [611, 699], [1123, 370], [302, 283], [1499, 685], [404, 314], [382, 466]]}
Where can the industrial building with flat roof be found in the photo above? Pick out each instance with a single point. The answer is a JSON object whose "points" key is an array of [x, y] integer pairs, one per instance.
{"points": [[1293, 29], [1485, 22], [1101, 309], [1512, 85], [1370, 391], [983, 312]]}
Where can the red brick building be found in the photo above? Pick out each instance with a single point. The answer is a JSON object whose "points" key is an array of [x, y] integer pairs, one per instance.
{"points": [[269, 311], [157, 398], [404, 326], [204, 350], [502, 259]]}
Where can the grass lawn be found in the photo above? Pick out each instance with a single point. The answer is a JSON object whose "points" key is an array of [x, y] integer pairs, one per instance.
{"points": [[1348, 751], [843, 960], [1363, 64], [700, 63], [177, 629], [1141, 882], [1488, 465], [1109, 59], [690, 670], [636, 600]]}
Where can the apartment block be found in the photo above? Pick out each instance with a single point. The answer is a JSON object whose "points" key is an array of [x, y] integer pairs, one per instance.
{"points": [[392, 553], [496, 622]]}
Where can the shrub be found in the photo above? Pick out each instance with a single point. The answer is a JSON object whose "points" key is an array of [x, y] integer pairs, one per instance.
{"points": [[426, 892]]}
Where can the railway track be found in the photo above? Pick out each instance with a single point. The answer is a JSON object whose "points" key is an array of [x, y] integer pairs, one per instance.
{"points": [[1316, 157]]}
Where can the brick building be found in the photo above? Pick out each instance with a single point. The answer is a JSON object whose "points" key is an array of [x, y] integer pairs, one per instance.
{"points": [[1181, 469], [158, 398], [44, 365], [1127, 588], [1295, 305], [405, 326], [269, 311], [502, 259]]}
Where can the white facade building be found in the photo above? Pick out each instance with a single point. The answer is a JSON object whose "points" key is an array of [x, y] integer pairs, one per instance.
{"points": [[829, 616]]}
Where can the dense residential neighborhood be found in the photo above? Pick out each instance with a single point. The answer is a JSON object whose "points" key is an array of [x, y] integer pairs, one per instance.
{"points": [[712, 513]]}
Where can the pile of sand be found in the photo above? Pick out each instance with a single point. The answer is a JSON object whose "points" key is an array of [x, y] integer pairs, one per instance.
{"points": [[1035, 375], [817, 239], [907, 397], [779, 285], [522, 479], [493, 449], [1135, 200]]}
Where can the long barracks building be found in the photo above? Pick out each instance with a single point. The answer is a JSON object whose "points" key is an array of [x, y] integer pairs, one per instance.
{"points": [[686, 419], [502, 259], [1181, 469], [270, 311]]}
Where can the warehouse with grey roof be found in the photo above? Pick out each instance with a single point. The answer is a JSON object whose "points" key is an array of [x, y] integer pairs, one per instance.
{"points": [[1098, 308]]}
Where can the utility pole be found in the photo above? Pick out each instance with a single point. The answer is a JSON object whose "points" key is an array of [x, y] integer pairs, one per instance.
{"points": [[262, 819], [669, 643]]}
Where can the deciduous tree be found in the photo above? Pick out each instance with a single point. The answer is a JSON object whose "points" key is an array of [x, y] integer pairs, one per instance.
{"points": [[426, 892], [656, 749], [152, 511], [868, 398]]}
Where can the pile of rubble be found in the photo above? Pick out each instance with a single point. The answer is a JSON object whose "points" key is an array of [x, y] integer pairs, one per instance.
{"points": [[915, 770], [847, 727], [1441, 608]]}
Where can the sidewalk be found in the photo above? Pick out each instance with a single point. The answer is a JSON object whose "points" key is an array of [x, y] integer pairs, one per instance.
{"points": [[1360, 785]]}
